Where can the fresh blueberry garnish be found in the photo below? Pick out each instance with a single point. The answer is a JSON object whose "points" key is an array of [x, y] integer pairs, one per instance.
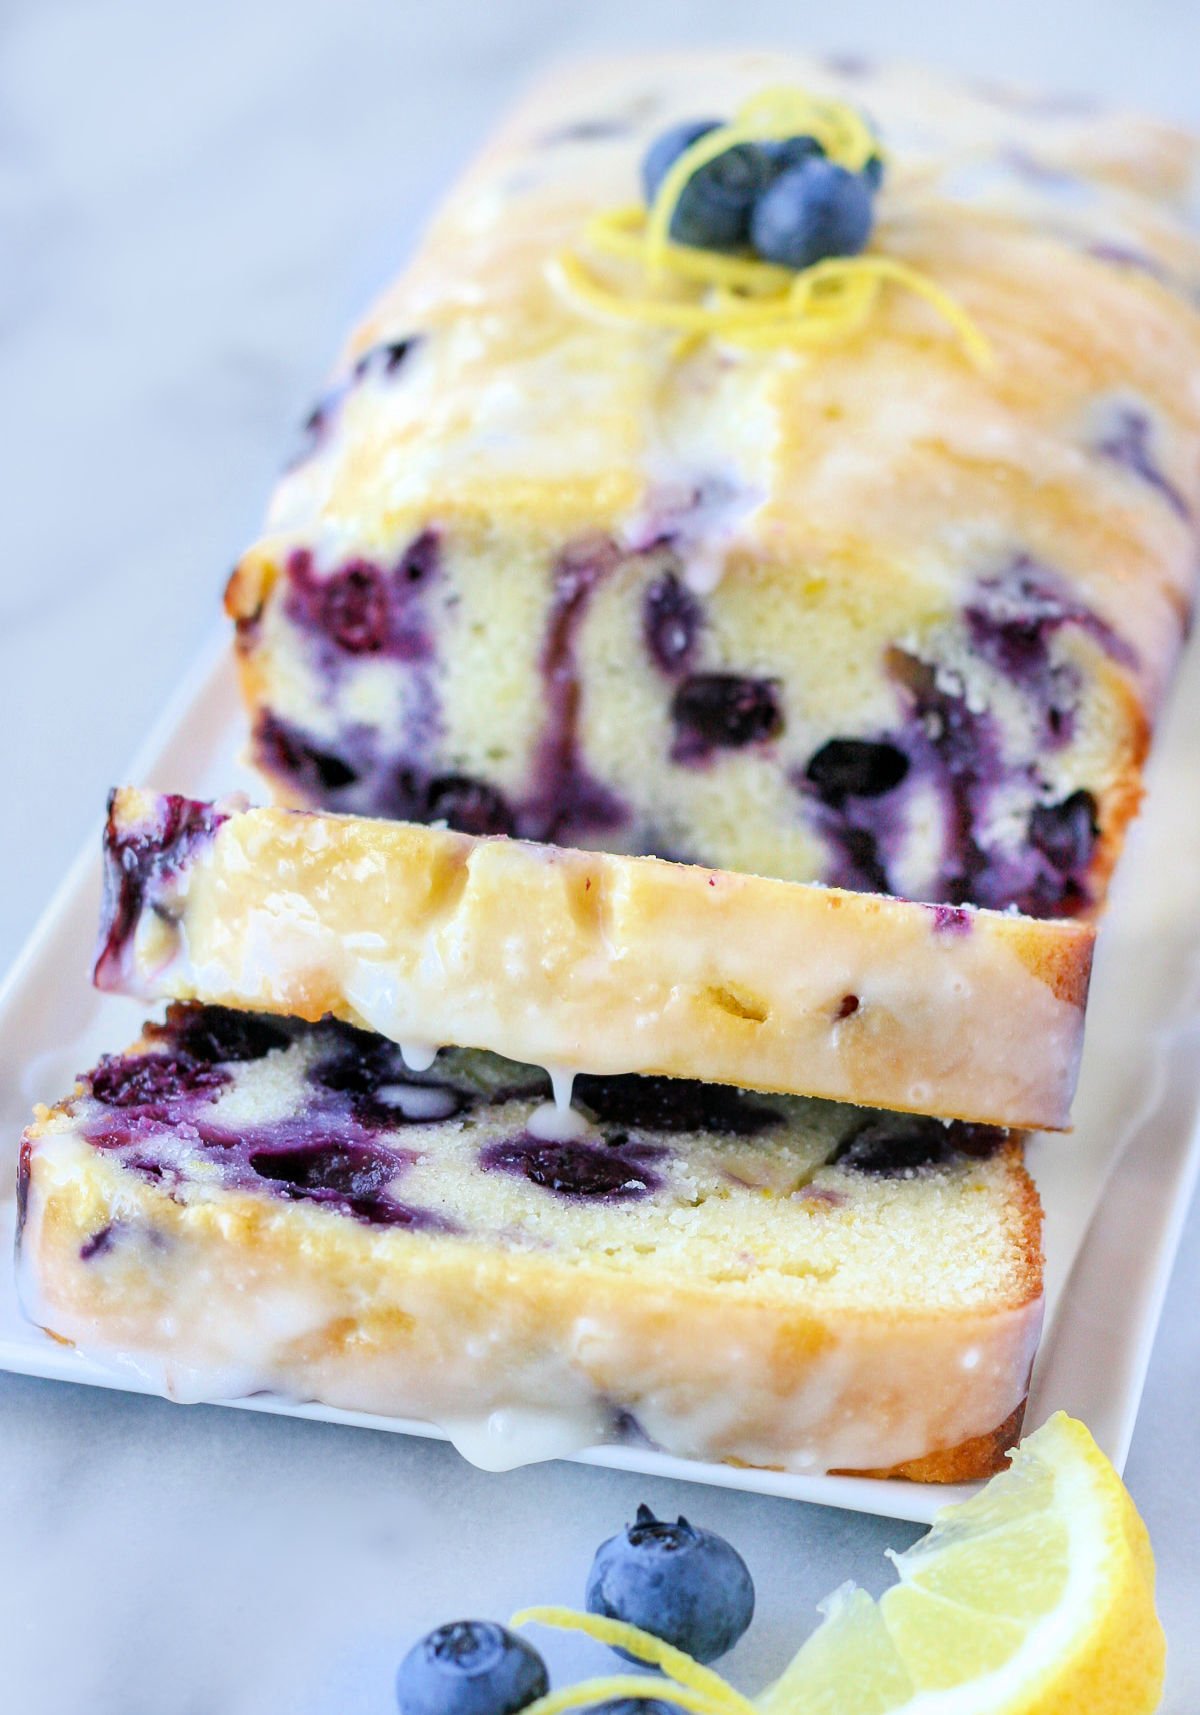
{"points": [[666, 149], [715, 206], [685, 1585], [786, 152], [671, 620], [855, 768], [713, 209], [1065, 833], [672, 1104], [723, 711], [634, 1706], [899, 1145], [812, 211], [470, 1667], [873, 171]]}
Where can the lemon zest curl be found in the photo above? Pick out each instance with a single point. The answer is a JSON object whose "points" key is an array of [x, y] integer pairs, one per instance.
{"points": [[687, 1681], [741, 299]]}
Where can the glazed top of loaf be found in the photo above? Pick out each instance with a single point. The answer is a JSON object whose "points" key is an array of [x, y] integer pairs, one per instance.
{"points": [[494, 401]]}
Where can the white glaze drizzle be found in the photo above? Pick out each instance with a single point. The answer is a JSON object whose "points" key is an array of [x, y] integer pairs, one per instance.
{"points": [[417, 1056], [514, 1435], [418, 1101], [557, 1121]]}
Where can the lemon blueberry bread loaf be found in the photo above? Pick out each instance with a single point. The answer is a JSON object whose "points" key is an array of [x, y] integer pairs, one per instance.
{"points": [[591, 962], [242, 1203], [858, 610]]}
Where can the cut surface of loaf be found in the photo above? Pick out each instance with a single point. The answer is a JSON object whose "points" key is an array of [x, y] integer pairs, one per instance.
{"points": [[242, 1203], [589, 962], [864, 615]]}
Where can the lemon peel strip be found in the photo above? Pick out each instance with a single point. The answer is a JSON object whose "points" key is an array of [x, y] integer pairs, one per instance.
{"points": [[747, 301], [829, 301], [711, 1691], [621, 232], [783, 111], [590, 1691], [974, 342]]}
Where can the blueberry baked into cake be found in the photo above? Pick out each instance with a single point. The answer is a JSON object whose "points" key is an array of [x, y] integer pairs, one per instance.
{"points": [[783, 470], [603, 542], [243, 1203]]}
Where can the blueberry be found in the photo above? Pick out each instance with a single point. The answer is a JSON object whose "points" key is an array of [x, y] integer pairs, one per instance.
{"points": [[687, 1586], [153, 1081], [787, 152], [354, 610], [283, 749], [578, 1169], [671, 619], [715, 206], [635, 1706], [364, 608], [217, 1033], [723, 711], [468, 805], [654, 1103], [470, 1667], [811, 212], [666, 149], [384, 359], [330, 1165], [1066, 832], [897, 1146], [713, 210], [872, 172], [855, 768]]}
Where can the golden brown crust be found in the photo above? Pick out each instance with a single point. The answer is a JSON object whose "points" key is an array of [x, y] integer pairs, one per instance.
{"points": [[980, 1456], [249, 585]]}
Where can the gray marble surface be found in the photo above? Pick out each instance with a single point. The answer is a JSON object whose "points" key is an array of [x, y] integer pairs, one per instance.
{"points": [[195, 200]]}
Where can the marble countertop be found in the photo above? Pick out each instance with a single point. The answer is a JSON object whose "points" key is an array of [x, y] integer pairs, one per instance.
{"points": [[196, 202]]}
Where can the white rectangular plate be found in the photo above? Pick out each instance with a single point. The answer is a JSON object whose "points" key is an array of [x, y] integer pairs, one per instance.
{"points": [[1115, 1191]]}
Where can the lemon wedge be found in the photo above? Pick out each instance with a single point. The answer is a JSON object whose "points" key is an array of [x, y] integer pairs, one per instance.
{"points": [[1035, 1597]]}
